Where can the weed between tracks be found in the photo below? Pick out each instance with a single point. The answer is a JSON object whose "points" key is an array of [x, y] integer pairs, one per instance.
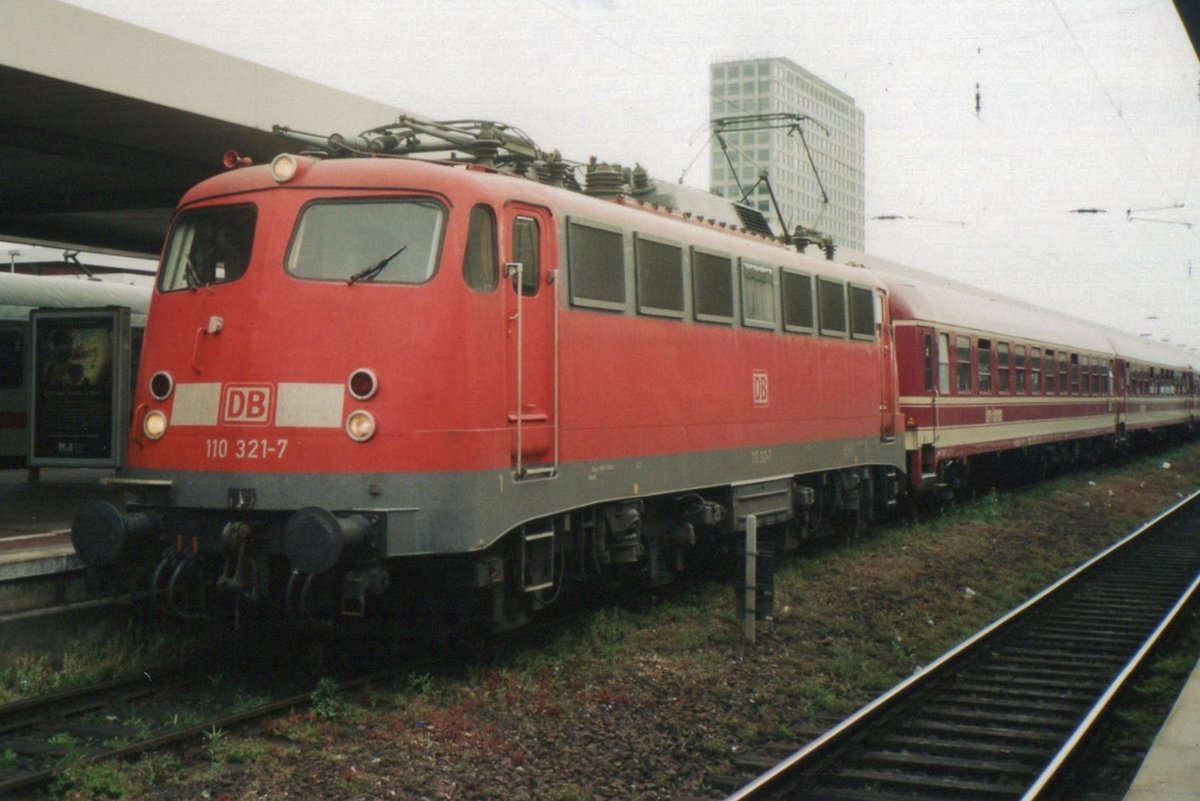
{"points": [[640, 701]]}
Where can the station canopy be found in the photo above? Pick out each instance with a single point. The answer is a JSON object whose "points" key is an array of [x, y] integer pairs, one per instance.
{"points": [[106, 125]]}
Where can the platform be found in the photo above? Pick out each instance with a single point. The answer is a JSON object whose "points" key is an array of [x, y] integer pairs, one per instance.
{"points": [[38, 565], [1171, 771]]}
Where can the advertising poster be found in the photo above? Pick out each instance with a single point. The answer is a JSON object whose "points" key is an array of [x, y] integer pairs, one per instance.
{"points": [[80, 387]]}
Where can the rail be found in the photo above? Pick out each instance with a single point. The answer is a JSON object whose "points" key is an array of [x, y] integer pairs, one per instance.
{"points": [[1000, 715]]}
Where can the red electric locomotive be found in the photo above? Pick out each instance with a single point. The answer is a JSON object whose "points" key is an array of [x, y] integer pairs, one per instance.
{"points": [[375, 385]]}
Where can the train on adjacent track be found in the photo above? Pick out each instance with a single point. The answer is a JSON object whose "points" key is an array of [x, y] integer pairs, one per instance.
{"points": [[380, 383], [19, 295]]}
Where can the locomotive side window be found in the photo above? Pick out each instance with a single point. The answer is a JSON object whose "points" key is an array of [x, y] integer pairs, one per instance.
{"points": [[758, 295], [831, 307], [862, 312], [659, 278], [712, 281], [1019, 368], [985, 365], [797, 302], [962, 363], [480, 263], [1002, 366], [525, 250], [208, 246], [596, 257], [943, 363], [383, 241]]}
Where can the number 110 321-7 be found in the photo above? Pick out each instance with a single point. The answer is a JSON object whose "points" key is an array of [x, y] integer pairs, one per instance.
{"points": [[245, 448]]}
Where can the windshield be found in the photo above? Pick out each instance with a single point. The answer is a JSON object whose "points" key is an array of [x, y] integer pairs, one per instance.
{"points": [[208, 246], [393, 241]]}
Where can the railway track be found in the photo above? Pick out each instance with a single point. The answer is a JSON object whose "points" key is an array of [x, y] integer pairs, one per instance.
{"points": [[42, 737], [1001, 715]]}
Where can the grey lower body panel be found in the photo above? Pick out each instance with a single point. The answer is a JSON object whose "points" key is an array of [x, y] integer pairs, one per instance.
{"points": [[449, 513]]}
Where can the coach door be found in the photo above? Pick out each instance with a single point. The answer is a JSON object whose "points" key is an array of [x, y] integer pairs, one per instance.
{"points": [[531, 341]]}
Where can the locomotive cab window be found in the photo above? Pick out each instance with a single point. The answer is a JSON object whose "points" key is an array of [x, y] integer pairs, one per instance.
{"points": [[208, 246], [480, 264], [596, 262], [758, 295], [381, 241], [712, 284], [659, 277]]}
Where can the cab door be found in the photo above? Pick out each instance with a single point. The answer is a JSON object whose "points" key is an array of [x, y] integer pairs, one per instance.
{"points": [[531, 332]]}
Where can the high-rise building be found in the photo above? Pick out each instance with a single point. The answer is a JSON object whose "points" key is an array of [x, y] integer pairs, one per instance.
{"points": [[771, 88]]}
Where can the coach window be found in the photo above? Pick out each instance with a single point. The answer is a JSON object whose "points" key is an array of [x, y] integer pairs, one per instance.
{"points": [[659, 278], [1002, 366], [596, 261], [1048, 370], [758, 295], [962, 363], [480, 264], [862, 313], [985, 365], [944, 363], [12, 361], [831, 307], [928, 348], [1019, 367], [1062, 372], [1035, 371], [712, 285], [798, 315]]}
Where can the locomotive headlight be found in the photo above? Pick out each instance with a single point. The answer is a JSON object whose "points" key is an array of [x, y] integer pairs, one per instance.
{"points": [[362, 383], [284, 167], [360, 425], [154, 424]]}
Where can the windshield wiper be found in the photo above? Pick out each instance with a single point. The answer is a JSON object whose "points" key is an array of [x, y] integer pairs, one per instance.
{"points": [[376, 268]]}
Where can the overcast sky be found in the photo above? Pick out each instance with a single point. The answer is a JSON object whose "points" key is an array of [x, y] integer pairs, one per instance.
{"points": [[1084, 104]]}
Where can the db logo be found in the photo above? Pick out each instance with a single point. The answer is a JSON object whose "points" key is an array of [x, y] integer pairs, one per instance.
{"points": [[246, 404], [759, 383]]}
